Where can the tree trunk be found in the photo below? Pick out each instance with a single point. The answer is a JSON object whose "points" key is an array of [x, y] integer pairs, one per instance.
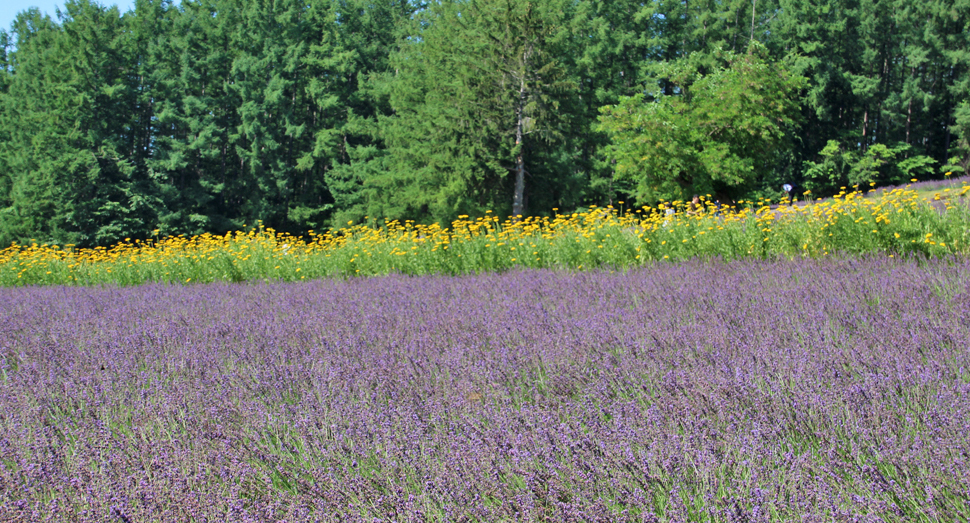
{"points": [[754, 3], [734, 38], [518, 198], [946, 144], [876, 120], [909, 118]]}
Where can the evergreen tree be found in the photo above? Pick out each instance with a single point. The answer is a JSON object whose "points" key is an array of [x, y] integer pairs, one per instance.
{"points": [[350, 87], [5, 130], [191, 113], [610, 44], [479, 101], [70, 119]]}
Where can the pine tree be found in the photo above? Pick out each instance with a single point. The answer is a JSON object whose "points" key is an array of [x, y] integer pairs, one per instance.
{"points": [[478, 98], [350, 62], [67, 114]]}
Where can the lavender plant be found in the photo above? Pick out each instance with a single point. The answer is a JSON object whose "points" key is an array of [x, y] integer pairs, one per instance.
{"points": [[813, 390]]}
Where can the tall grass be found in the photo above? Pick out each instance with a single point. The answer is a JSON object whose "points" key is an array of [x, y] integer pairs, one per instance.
{"points": [[894, 222]]}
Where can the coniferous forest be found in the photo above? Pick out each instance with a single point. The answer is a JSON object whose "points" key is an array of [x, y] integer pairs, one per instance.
{"points": [[210, 115]]}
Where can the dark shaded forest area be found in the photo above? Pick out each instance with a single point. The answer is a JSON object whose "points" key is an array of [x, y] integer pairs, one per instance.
{"points": [[210, 115]]}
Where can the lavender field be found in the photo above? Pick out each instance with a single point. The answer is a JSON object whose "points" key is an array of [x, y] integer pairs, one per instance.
{"points": [[805, 390]]}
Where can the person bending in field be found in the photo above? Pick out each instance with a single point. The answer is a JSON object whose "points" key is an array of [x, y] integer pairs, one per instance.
{"points": [[790, 188]]}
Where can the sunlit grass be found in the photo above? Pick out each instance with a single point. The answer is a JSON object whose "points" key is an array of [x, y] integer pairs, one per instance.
{"points": [[899, 221]]}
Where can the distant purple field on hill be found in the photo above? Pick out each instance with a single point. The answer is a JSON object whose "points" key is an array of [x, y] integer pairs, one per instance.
{"points": [[810, 390]]}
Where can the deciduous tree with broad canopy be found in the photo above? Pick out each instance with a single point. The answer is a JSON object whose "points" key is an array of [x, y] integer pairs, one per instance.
{"points": [[726, 117]]}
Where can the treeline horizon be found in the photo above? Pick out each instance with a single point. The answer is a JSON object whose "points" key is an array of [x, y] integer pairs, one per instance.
{"points": [[215, 115]]}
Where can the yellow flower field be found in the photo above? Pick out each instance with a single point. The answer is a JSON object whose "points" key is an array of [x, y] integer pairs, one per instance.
{"points": [[893, 222]]}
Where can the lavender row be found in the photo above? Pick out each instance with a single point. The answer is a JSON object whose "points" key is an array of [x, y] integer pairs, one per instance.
{"points": [[747, 391]]}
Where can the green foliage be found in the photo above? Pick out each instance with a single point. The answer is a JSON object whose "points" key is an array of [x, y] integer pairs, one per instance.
{"points": [[67, 112], [960, 162], [181, 120], [715, 136], [212, 114], [878, 165], [478, 75]]}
